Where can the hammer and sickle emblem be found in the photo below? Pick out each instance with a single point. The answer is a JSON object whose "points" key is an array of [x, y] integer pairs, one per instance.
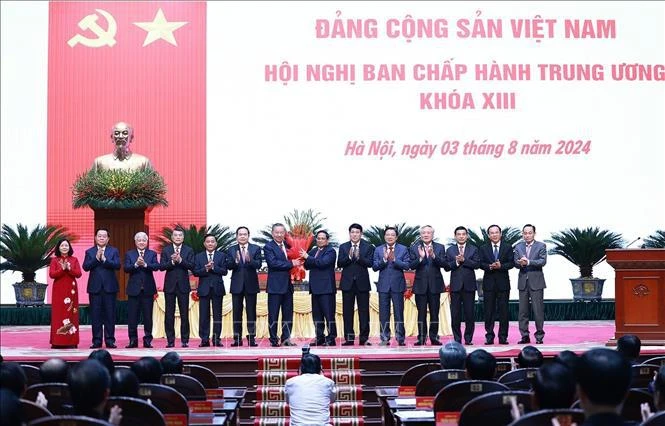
{"points": [[104, 37]]}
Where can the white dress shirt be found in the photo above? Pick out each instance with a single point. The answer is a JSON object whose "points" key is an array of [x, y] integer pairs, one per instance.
{"points": [[309, 397]]}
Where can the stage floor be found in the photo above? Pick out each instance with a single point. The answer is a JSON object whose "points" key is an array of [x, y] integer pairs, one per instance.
{"points": [[30, 343]]}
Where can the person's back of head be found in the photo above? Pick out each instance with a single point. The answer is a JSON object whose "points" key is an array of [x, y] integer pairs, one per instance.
{"points": [[10, 407], [452, 356], [530, 357], [89, 385], [554, 387], [629, 346], [603, 378], [310, 364], [105, 358], [480, 365], [124, 383], [147, 370], [12, 377], [659, 389], [567, 358], [53, 370], [171, 363]]}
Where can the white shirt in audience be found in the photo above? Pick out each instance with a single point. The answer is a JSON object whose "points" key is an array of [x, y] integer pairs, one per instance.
{"points": [[309, 397]]}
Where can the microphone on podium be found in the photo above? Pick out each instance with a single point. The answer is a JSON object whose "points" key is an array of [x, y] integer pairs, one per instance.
{"points": [[634, 241]]}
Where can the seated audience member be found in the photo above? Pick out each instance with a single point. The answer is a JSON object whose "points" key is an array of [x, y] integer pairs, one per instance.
{"points": [[124, 383], [530, 357], [629, 346], [310, 394], [89, 386], [553, 387], [603, 379], [104, 357], [171, 363], [567, 358], [10, 408], [659, 390], [452, 356], [147, 370], [53, 370], [480, 365], [12, 377]]}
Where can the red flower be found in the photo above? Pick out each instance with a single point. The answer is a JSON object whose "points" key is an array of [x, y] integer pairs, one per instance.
{"points": [[408, 293], [293, 252], [195, 296]]}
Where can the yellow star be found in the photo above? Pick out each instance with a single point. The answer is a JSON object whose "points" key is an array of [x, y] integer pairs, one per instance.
{"points": [[159, 28]]}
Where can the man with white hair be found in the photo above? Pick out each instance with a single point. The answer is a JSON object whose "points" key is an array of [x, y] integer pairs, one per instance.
{"points": [[140, 263]]}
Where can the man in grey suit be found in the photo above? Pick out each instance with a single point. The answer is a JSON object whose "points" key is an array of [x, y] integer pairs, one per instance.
{"points": [[530, 257], [391, 260]]}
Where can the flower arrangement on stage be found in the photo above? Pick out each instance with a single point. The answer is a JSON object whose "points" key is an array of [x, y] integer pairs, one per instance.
{"points": [[119, 189]]}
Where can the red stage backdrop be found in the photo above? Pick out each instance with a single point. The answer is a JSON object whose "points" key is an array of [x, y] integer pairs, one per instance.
{"points": [[138, 62]]}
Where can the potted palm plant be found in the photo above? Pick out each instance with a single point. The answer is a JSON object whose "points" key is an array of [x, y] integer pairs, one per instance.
{"points": [[655, 240], [585, 248], [509, 235], [194, 237], [27, 251], [406, 236]]}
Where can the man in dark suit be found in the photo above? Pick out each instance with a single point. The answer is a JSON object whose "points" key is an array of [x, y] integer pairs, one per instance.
{"points": [[427, 259], [462, 260], [355, 257], [102, 261], [140, 263], [279, 286], [391, 260], [244, 259], [177, 260], [530, 256], [210, 267], [496, 259], [320, 262]]}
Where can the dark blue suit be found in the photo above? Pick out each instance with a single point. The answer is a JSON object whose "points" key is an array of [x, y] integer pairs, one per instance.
{"points": [[280, 291], [391, 287], [463, 290], [211, 289], [496, 287], [244, 285], [355, 287], [322, 286], [176, 286], [427, 287], [103, 290], [141, 289]]}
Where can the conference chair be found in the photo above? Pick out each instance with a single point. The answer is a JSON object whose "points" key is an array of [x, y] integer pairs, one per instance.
{"points": [[189, 387], [657, 419], [203, 374], [631, 406], [32, 411], [502, 368], [659, 360], [643, 375], [494, 408], [415, 373], [136, 411], [31, 374], [565, 416], [431, 383], [519, 379], [57, 394], [165, 398], [453, 396], [69, 421]]}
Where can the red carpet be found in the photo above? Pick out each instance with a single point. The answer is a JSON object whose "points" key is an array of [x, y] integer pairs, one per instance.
{"points": [[20, 343]]}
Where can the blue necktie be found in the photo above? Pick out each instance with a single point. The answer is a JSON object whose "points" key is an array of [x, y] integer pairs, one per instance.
{"points": [[496, 252]]}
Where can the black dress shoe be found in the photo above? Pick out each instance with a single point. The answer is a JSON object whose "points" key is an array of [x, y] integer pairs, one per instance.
{"points": [[489, 342], [524, 340], [312, 343], [203, 344], [147, 345], [348, 343], [185, 345], [435, 342], [401, 344], [539, 341], [468, 343], [503, 342], [419, 343], [132, 345], [170, 345], [93, 346], [288, 343], [330, 343], [111, 346], [365, 343], [274, 344], [236, 343], [252, 343], [217, 342]]}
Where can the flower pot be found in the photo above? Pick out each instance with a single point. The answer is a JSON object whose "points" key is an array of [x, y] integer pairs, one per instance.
{"points": [[587, 289], [29, 293]]}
